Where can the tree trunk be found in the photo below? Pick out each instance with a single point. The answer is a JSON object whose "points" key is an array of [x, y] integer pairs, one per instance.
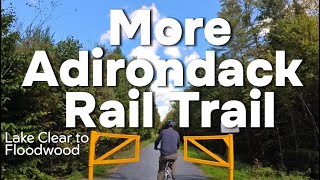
{"points": [[280, 146]]}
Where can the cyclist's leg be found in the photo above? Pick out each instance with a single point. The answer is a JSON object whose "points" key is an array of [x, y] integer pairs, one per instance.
{"points": [[173, 168], [174, 165], [172, 157], [162, 166]]}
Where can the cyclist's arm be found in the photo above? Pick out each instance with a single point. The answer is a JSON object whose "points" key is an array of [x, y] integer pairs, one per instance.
{"points": [[156, 143], [178, 141]]}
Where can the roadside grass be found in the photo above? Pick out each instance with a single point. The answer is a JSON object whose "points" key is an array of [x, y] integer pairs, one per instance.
{"points": [[242, 171], [105, 170]]}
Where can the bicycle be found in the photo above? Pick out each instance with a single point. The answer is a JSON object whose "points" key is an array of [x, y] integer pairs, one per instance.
{"points": [[168, 170]]}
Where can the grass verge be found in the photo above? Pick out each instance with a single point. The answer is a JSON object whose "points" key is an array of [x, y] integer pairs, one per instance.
{"points": [[242, 171], [103, 171]]}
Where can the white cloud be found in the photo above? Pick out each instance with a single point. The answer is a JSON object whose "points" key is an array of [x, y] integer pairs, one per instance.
{"points": [[171, 75], [155, 12], [264, 24], [163, 111], [34, 2], [155, 18], [264, 32], [162, 97], [146, 52], [172, 52], [187, 48], [191, 57], [105, 37], [169, 32], [150, 53], [162, 92]]}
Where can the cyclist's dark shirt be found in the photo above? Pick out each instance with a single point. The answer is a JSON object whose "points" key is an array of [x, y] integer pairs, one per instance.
{"points": [[170, 141]]}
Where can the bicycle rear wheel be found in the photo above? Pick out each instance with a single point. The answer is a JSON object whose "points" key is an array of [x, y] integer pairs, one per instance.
{"points": [[167, 174]]}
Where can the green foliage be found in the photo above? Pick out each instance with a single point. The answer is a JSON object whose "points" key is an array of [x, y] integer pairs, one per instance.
{"points": [[244, 171], [293, 144], [9, 76], [42, 108], [25, 171]]}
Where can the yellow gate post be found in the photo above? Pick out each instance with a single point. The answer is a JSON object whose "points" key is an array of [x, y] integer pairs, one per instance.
{"points": [[94, 136], [231, 157], [91, 154]]}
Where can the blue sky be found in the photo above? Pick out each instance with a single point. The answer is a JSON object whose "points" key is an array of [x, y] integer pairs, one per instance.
{"points": [[88, 21]]}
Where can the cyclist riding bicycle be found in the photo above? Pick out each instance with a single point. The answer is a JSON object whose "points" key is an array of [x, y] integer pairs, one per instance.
{"points": [[170, 142]]}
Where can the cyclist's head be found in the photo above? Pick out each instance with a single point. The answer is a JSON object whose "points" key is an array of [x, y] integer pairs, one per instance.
{"points": [[170, 123]]}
